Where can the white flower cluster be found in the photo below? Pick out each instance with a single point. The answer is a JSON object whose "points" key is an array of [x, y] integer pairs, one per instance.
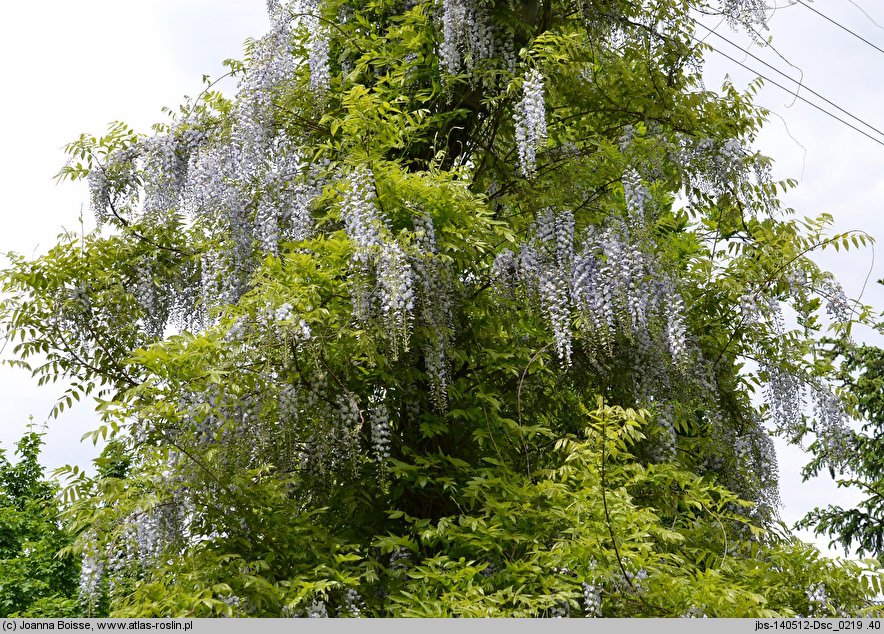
{"points": [[396, 292], [165, 171], [716, 167], [317, 610], [333, 425], [555, 237], [818, 599], [379, 417], [611, 286], [675, 327], [91, 577], [592, 600], [155, 315], [665, 421], [630, 581], [288, 404], [360, 215], [784, 395], [114, 184], [728, 169], [435, 307], [320, 73], [286, 191], [756, 454], [286, 324], [560, 611], [530, 120], [831, 425], [378, 251], [786, 388], [347, 426], [467, 36], [353, 603], [248, 191], [620, 274], [796, 279], [318, 43], [158, 526], [271, 69], [400, 559], [696, 612], [637, 198], [545, 264], [747, 13], [837, 305]]}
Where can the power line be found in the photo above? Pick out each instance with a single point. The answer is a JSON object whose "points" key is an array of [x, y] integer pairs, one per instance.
{"points": [[797, 96], [863, 11], [840, 26], [800, 83]]}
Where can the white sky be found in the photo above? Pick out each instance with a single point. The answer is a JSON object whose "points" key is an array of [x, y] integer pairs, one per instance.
{"points": [[74, 67]]}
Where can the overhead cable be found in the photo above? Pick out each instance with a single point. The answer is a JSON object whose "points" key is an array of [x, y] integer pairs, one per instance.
{"points": [[840, 26], [797, 96], [800, 83]]}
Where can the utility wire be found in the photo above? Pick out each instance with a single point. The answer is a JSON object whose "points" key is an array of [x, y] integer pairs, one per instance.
{"points": [[796, 95], [863, 11], [800, 84], [840, 26]]}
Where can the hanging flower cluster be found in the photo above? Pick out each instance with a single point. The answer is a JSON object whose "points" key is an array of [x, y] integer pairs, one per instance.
{"points": [[546, 263], [250, 191], [377, 250], [379, 417], [607, 285], [746, 13], [530, 119], [467, 37], [592, 600]]}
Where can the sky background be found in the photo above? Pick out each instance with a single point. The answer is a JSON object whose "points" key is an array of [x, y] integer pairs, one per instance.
{"points": [[75, 67]]}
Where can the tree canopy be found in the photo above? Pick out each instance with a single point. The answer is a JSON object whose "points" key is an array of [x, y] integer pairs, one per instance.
{"points": [[34, 580], [455, 308]]}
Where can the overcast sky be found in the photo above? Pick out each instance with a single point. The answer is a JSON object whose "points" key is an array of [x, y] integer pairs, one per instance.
{"points": [[73, 67]]}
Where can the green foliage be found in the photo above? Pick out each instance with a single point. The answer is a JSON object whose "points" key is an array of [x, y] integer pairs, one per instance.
{"points": [[36, 580], [649, 540], [422, 328]]}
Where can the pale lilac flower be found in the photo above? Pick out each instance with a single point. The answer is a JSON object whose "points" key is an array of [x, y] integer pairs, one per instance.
{"points": [[530, 119]]}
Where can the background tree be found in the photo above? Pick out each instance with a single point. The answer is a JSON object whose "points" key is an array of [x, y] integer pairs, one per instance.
{"points": [[449, 311], [36, 580]]}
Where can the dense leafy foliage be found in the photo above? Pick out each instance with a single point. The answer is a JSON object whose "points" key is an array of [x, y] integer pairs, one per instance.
{"points": [[35, 581], [456, 308]]}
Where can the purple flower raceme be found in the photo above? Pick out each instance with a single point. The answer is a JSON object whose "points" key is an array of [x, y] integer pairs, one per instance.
{"points": [[530, 120], [361, 218], [395, 289], [379, 417], [467, 36]]}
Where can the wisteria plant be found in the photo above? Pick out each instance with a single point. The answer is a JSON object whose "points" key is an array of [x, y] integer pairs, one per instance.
{"points": [[456, 307]]}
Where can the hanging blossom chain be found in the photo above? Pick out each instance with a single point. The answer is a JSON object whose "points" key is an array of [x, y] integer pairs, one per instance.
{"points": [[318, 44], [613, 282], [530, 120], [379, 417], [467, 37], [435, 303], [378, 251]]}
